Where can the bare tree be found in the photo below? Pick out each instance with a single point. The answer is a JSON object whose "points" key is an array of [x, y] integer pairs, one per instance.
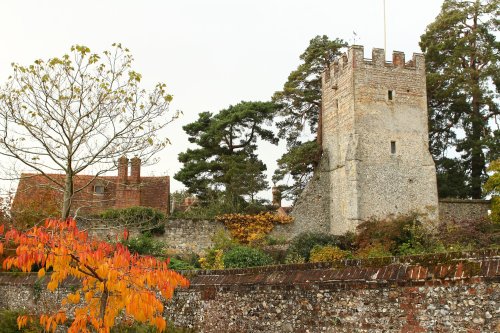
{"points": [[80, 112]]}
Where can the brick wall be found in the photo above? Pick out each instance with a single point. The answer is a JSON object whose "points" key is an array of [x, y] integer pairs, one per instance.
{"points": [[457, 292]]}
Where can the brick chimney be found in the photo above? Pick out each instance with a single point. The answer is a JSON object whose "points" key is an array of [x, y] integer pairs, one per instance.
{"points": [[276, 197], [135, 170], [122, 170]]}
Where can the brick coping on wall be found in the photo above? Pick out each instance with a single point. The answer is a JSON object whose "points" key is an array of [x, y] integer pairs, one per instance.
{"points": [[423, 260], [435, 269], [432, 269]]}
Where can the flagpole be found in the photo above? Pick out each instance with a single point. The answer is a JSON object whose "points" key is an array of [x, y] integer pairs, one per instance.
{"points": [[385, 30]]}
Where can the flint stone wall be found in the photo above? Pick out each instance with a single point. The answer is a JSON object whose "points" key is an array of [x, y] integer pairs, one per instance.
{"points": [[458, 292], [460, 209], [187, 236]]}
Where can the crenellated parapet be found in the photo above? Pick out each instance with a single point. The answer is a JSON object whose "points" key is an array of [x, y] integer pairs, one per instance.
{"points": [[355, 59]]}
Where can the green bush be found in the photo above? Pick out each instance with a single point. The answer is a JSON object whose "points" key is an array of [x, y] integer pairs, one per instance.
{"points": [[294, 258], [244, 256], [220, 204], [180, 265], [145, 244], [303, 243], [146, 219]]}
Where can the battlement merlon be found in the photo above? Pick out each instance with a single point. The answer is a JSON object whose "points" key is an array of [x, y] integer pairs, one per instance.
{"points": [[355, 58]]}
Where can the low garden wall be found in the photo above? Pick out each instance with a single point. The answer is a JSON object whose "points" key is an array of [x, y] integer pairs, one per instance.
{"points": [[457, 292], [463, 209]]}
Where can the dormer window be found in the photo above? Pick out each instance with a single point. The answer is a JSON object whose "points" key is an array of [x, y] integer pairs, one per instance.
{"points": [[99, 189]]}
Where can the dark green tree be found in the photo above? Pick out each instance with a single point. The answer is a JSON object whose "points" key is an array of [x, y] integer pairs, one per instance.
{"points": [[463, 82], [297, 164], [300, 100], [300, 107], [226, 160]]}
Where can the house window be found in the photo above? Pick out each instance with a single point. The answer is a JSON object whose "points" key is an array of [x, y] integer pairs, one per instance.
{"points": [[393, 147], [98, 189], [390, 95]]}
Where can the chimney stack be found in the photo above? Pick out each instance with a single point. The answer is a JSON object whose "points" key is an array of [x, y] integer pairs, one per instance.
{"points": [[276, 197], [135, 170], [122, 170]]}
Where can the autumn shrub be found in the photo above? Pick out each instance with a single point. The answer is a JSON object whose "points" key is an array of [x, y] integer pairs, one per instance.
{"points": [[101, 268], [492, 187], [249, 228], [469, 234], [394, 235], [495, 209], [327, 253], [244, 256], [302, 244], [213, 259], [28, 211], [374, 250], [145, 219], [222, 242]]}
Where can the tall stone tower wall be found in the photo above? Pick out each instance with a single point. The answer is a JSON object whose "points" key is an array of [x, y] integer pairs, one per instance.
{"points": [[375, 139]]}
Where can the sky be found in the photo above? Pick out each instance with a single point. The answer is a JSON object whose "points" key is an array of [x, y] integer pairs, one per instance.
{"points": [[211, 54]]}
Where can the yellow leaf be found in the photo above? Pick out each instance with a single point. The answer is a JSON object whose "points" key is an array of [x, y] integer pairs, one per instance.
{"points": [[41, 272]]}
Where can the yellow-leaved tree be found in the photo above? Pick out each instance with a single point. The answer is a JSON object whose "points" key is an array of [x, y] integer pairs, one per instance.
{"points": [[112, 280], [492, 186]]}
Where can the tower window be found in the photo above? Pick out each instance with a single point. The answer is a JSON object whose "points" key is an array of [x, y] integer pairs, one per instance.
{"points": [[393, 147], [390, 95]]}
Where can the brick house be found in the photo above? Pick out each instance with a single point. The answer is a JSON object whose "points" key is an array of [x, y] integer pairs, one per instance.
{"points": [[102, 193]]}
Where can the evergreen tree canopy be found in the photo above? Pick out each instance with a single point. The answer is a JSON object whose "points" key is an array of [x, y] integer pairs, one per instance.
{"points": [[463, 82], [226, 159], [299, 105], [300, 100]]}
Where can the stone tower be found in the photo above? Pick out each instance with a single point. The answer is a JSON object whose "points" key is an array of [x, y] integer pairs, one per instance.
{"points": [[376, 161]]}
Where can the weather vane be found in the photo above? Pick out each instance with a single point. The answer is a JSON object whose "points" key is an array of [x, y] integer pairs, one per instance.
{"points": [[354, 37]]}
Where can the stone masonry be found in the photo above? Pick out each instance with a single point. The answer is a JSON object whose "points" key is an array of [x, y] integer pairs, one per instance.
{"points": [[375, 142], [453, 293]]}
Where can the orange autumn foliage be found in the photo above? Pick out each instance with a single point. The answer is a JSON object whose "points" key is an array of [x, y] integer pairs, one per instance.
{"points": [[112, 279], [248, 228]]}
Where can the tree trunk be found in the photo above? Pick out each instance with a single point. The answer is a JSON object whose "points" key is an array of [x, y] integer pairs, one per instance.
{"points": [[319, 131], [477, 156], [68, 195], [104, 303]]}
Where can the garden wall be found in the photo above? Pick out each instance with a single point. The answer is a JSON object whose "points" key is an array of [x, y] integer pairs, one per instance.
{"points": [[457, 292], [195, 235], [463, 209]]}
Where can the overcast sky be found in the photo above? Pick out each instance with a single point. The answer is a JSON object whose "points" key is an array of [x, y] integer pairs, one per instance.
{"points": [[211, 54]]}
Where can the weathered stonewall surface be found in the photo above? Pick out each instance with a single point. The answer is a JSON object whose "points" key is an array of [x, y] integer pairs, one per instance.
{"points": [[458, 292], [375, 139]]}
